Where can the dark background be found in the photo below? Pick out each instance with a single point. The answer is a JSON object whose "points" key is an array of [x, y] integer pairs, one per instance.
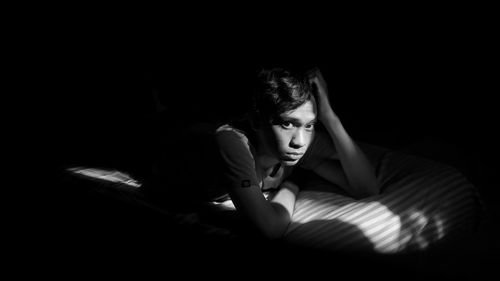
{"points": [[391, 85], [90, 95]]}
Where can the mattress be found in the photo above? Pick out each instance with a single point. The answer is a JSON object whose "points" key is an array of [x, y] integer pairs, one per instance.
{"points": [[422, 203]]}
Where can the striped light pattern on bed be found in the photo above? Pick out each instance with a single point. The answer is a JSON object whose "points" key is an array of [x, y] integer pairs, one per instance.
{"points": [[422, 203]]}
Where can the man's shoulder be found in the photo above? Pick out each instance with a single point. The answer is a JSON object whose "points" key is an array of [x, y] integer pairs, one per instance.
{"points": [[236, 150], [228, 128], [230, 131]]}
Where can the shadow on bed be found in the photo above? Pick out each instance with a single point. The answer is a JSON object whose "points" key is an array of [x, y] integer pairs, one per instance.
{"points": [[110, 224], [105, 223]]}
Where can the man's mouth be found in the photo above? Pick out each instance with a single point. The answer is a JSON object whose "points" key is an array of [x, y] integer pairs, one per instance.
{"points": [[293, 155]]}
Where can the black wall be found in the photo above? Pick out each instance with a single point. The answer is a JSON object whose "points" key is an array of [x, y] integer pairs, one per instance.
{"points": [[390, 86]]}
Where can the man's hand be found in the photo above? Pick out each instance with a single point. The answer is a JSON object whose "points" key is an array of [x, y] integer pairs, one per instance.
{"points": [[316, 79]]}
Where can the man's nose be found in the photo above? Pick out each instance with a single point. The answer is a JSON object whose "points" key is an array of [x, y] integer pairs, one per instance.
{"points": [[298, 139]]}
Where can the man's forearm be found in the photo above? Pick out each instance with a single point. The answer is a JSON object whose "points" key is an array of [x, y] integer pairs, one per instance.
{"points": [[286, 196], [283, 204], [359, 171]]}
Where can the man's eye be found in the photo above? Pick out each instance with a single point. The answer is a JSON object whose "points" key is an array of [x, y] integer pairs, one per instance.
{"points": [[286, 125], [310, 126]]}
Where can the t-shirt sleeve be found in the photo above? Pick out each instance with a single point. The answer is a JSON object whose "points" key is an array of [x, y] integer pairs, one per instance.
{"points": [[238, 161], [321, 149]]}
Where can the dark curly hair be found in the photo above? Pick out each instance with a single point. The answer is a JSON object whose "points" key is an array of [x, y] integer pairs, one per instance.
{"points": [[279, 90]]}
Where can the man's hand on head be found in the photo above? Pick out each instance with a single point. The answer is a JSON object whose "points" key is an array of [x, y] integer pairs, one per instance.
{"points": [[320, 91]]}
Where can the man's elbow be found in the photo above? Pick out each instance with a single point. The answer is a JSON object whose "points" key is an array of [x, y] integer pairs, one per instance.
{"points": [[367, 190]]}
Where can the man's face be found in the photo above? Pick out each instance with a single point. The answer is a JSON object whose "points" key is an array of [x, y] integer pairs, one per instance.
{"points": [[292, 132]]}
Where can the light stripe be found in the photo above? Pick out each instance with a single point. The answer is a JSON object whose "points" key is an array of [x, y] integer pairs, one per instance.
{"points": [[433, 205], [430, 200]]}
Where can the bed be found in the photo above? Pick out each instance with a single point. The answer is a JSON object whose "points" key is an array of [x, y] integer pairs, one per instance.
{"points": [[423, 203]]}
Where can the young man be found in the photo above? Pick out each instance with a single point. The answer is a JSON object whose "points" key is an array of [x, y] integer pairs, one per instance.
{"points": [[281, 135]]}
